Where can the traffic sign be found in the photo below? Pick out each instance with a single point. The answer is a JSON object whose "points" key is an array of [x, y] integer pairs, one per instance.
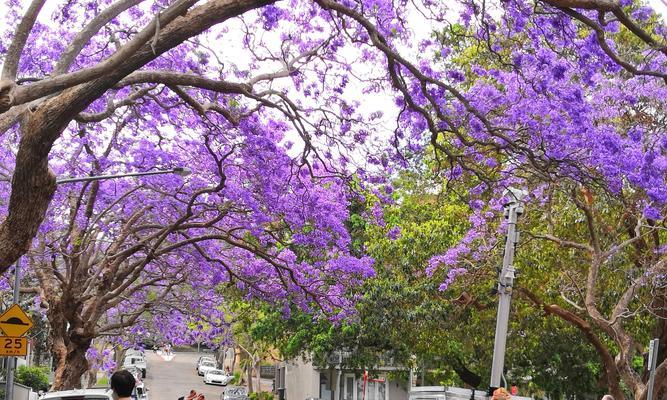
{"points": [[13, 346], [15, 322]]}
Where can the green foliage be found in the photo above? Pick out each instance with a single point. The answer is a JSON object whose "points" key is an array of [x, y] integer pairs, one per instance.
{"points": [[35, 377], [236, 380], [261, 396]]}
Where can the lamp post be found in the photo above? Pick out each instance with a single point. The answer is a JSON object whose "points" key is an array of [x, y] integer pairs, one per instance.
{"points": [[513, 209], [182, 171], [12, 361]]}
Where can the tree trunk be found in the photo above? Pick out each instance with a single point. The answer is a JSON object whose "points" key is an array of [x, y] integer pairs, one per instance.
{"points": [[91, 378], [249, 378], [256, 364], [71, 363]]}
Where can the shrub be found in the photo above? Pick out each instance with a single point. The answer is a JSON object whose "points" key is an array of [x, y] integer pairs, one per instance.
{"points": [[237, 379], [35, 377], [261, 396]]}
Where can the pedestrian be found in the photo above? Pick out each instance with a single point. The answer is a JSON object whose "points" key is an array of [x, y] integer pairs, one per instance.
{"points": [[501, 394], [122, 383], [192, 395], [607, 397]]}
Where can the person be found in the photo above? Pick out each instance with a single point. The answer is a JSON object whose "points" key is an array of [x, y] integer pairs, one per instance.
{"points": [[122, 383], [501, 394], [607, 397], [191, 396]]}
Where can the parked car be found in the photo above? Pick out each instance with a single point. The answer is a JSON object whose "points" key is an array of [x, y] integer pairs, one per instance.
{"points": [[140, 392], [217, 377], [205, 366], [136, 372], [80, 394], [136, 361], [135, 352], [204, 358], [234, 393]]}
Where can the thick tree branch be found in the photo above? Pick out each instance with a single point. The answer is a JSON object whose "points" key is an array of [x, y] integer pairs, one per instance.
{"points": [[586, 329], [33, 184], [82, 38], [169, 78], [11, 64], [61, 82]]}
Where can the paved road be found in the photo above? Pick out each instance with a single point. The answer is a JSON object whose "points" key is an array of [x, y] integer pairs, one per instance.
{"points": [[169, 380]]}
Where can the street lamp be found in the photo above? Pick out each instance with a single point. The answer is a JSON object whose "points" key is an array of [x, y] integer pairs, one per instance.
{"points": [[513, 209], [11, 361], [182, 171]]}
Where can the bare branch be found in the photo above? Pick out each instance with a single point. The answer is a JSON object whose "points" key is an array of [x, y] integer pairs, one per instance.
{"points": [[563, 242], [113, 106]]}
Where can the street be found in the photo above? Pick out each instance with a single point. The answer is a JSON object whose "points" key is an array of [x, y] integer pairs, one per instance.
{"points": [[169, 380]]}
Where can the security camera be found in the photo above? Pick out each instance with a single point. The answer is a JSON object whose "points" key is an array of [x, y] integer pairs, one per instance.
{"points": [[514, 195]]}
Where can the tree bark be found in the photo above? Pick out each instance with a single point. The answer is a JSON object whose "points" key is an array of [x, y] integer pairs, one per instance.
{"points": [[69, 344], [71, 363], [249, 367]]}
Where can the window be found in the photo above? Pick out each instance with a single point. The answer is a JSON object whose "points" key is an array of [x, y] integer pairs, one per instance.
{"points": [[325, 387]]}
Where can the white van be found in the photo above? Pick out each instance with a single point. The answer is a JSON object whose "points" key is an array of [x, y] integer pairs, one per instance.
{"points": [[136, 361]]}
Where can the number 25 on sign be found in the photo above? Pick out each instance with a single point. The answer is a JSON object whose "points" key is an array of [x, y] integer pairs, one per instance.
{"points": [[13, 346]]}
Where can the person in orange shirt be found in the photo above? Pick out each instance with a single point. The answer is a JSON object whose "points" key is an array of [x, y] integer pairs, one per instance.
{"points": [[501, 394]]}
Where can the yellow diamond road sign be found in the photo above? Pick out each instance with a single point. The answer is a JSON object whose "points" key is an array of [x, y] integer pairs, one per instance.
{"points": [[15, 322]]}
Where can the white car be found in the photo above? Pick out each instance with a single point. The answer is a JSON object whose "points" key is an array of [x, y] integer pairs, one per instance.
{"points": [[140, 392], [80, 394], [217, 377], [202, 359], [204, 367]]}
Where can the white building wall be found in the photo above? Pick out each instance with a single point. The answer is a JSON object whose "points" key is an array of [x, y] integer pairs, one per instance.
{"points": [[397, 391], [302, 380]]}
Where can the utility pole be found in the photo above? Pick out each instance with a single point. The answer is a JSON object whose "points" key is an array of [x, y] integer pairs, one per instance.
{"points": [[513, 209], [12, 361], [652, 361]]}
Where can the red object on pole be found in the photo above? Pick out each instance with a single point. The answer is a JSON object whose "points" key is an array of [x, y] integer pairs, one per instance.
{"points": [[363, 393]]}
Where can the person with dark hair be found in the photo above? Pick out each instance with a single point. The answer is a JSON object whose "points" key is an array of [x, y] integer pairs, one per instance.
{"points": [[122, 383]]}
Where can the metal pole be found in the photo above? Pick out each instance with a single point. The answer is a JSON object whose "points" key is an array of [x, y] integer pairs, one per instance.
{"points": [[178, 170], [652, 359], [505, 281], [11, 361]]}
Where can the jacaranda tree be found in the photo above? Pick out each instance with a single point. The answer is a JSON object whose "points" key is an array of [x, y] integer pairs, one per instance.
{"points": [[273, 104]]}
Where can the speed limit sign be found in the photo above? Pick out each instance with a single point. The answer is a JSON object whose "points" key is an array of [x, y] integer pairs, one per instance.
{"points": [[13, 346]]}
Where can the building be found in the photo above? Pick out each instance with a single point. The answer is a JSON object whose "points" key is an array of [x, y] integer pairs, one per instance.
{"points": [[304, 380]]}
